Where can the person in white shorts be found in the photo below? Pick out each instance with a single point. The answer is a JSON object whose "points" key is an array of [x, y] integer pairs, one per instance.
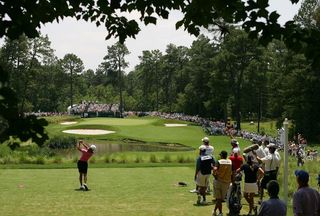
{"points": [[208, 150], [252, 171]]}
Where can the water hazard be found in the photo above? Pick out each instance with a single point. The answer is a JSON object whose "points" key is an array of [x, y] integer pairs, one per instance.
{"points": [[107, 148], [145, 147]]}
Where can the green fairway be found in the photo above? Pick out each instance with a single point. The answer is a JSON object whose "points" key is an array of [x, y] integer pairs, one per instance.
{"points": [[135, 191], [122, 183], [113, 191], [267, 127], [141, 129]]}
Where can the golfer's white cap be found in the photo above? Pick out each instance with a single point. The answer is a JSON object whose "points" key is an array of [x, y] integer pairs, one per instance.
{"points": [[205, 139], [93, 147]]}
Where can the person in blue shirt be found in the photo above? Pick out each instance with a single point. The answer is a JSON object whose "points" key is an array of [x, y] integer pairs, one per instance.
{"points": [[204, 165], [274, 206]]}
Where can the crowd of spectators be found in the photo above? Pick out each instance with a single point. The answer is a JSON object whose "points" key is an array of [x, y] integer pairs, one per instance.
{"points": [[91, 108], [44, 114], [212, 127]]}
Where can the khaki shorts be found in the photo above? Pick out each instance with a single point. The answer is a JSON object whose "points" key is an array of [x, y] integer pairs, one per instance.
{"points": [[220, 189], [202, 180], [250, 188]]}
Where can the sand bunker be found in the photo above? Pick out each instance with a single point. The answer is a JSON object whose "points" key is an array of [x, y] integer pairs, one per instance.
{"points": [[88, 131], [68, 123], [175, 125]]}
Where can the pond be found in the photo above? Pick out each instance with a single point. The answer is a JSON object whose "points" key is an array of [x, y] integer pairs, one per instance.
{"points": [[142, 147], [103, 149]]}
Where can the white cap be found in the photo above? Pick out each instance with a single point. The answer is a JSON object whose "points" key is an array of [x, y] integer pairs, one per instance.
{"points": [[272, 145], [235, 150], [205, 139], [93, 147]]}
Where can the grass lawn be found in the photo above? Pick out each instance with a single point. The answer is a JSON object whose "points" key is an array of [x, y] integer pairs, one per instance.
{"points": [[122, 188], [114, 191], [267, 127]]}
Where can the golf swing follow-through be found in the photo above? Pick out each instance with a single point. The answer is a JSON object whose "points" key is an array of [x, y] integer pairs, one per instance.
{"points": [[87, 153]]}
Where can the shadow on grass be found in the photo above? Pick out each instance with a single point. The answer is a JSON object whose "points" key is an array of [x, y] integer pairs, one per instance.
{"points": [[203, 205], [78, 189]]}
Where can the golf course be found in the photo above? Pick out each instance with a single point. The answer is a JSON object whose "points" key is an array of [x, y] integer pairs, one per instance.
{"points": [[135, 171]]}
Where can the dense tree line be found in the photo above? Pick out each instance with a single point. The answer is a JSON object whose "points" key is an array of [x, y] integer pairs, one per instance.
{"points": [[233, 76]]}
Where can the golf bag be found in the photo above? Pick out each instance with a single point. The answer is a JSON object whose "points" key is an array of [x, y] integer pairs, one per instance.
{"points": [[234, 197]]}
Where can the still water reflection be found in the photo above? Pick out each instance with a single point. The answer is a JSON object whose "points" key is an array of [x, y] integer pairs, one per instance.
{"points": [[112, 148], [103, 149]]}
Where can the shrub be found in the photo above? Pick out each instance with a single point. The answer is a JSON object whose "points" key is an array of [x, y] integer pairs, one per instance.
{"points": [[34, 150], [4, 150], [75, 159], [40, 160], [107, 158], [138, 159], [9, 160], [62, 142], [153, 159], [189, 160], [93, 160], [123, 159], [181, 159], [166, 159], [24, 159], [57, 160]]}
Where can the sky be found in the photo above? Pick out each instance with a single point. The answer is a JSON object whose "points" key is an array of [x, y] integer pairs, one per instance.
{"points": [[88, 41]]}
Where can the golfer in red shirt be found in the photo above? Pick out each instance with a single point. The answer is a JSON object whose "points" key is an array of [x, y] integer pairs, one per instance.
{"points": [[87, 152]]}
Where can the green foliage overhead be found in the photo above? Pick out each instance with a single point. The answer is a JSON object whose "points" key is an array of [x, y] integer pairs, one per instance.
{"points": [[26, 17]]}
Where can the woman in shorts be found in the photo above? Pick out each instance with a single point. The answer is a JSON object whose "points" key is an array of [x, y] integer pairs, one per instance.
{"points": [[252, 173], [87, 153]]}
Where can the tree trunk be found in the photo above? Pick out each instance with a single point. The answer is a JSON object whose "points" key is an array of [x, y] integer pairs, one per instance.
{"points": [[120, 87], [259, 109], [71, 88]]}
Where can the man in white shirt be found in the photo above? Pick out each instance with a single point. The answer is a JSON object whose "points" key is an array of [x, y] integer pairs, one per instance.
{"points": [[209, 148], [260, 151], [271, 163]]}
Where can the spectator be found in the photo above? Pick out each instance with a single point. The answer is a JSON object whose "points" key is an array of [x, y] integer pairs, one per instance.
{"points": [[251, 172], [208, 151], [306, 200], [236, 160], [209, 148], [261, 154], [272, 163], [203, 171], [235, 144], [222, 173], [260, 151], [300, 156], [274, 206]]}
